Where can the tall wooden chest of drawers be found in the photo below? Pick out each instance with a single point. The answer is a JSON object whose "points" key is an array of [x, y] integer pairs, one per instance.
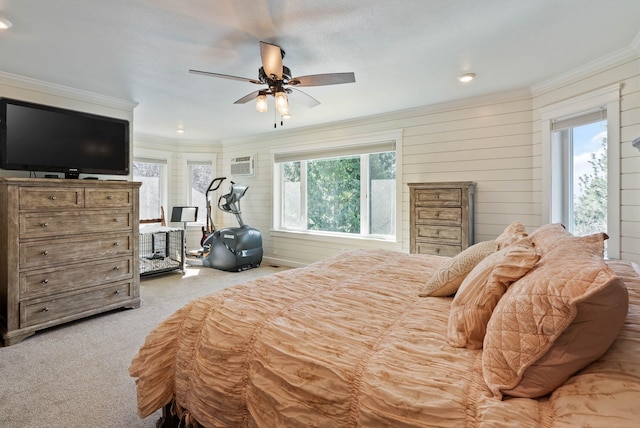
{"points": [[69, 249], [441, 217]]}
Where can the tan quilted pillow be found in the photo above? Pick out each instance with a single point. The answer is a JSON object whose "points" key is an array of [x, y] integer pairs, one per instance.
{"points": [[482, 288], [561, 316], [546, 237], [446, 280], [512, 234]]}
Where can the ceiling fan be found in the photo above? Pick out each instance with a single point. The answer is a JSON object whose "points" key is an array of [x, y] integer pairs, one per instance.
{"points": [[279, 82]]}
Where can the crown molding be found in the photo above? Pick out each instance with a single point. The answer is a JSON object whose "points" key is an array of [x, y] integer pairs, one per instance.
{"points": [[615, 58], [149, 141], [27, 83]]}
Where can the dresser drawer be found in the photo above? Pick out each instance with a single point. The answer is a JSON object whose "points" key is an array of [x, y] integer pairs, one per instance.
{"points": [[39, 311], [439, 216], [43, 282], [438, 249], [445, 234], [32, 198], [36, 225], [48, 253], [108, 198], [439, 197]]}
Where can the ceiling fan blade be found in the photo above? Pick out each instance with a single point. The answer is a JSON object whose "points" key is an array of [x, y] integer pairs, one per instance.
{"points": [[323, 79], [248, 98], [225, 76], [271, 59], [302, 98]]}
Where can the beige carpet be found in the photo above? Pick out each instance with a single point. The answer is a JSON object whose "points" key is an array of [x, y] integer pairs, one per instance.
{"points": [[76, 375]]}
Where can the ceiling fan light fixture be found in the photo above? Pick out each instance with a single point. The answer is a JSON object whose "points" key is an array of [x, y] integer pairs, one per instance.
{"points": [[467, 77], [261, 103], [5, 24], [281, 100], [283, 110]]}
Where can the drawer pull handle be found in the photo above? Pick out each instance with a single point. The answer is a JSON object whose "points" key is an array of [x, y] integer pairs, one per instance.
{"points": [[115, 220], [45, 310], [116, 268], [437, 233], [52, 197], [44, 224], [116, 292], [437, 214], [44, 281], [110, 197], [437, 195], [116, 244], [44, 253], [437, 250]]}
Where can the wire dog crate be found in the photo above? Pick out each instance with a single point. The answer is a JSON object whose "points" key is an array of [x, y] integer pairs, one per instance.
{"points": [[161, 249]]}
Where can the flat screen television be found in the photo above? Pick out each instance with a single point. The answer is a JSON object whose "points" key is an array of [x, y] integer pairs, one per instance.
{"points": [[35, 137]]}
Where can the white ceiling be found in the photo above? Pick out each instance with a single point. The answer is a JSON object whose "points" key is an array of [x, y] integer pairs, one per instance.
{"points": [[405, 53]]}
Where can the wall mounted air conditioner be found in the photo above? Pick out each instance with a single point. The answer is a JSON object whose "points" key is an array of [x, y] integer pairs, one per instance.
{"points": [[242, 165]]}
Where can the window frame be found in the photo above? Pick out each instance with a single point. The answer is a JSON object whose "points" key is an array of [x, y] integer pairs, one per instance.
{"points": [[328, 146], [608, 98], [188, 160], [164, 158]]}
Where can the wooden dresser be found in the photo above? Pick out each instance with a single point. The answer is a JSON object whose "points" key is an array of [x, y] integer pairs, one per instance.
{"points": [[441, 217], [69, 249]]}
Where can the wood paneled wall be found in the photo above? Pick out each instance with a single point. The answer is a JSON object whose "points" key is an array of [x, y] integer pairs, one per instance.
{"points": [[487, 140], [626, 73]]}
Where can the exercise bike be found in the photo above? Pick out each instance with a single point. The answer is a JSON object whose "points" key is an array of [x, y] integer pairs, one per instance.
{"points": [[234, 248]]}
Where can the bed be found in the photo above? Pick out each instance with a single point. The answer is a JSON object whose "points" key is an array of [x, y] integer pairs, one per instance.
{"points": [[353, 341]]}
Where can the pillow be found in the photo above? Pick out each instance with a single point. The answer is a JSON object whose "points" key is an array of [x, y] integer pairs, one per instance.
{"points": [[560, 317], [482, 288], [446, 280], [548, 236], [512, 234]]}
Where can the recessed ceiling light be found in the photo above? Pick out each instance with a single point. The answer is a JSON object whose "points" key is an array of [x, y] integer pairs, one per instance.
{"points": [[5, 24], [466, 77], [180, 131]]}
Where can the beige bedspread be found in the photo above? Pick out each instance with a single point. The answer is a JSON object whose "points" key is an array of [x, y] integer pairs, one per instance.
{"points": [[347, 342]]}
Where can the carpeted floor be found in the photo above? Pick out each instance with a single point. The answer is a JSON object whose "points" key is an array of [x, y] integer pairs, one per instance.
{"points": [[76, 375]]}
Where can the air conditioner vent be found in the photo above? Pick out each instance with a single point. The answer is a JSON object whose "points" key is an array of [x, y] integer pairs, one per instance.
{"points": [[242, 165]]}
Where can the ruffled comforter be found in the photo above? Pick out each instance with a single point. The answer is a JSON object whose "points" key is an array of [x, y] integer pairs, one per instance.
{"points": [[347, 342]]}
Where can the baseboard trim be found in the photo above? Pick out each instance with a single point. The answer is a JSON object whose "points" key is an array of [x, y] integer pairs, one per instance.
{"points": [[281, 262]]}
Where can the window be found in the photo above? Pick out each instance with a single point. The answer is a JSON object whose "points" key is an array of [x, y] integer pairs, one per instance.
{"points": [[581, 164], [200, 174], [151, 173], [581, 147], [349, 190]]}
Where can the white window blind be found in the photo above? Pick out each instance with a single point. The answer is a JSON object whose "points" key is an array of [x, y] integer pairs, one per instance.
{"points": [[148, 160], [195, 162], [582, 119]]}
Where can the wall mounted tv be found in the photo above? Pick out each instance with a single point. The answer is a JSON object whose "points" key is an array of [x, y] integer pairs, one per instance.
{"points": [[35, 137]]}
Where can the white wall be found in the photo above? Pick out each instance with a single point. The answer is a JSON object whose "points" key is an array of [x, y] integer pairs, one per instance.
{"points": [[487, 140], [494, 141], [626, 72]]}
